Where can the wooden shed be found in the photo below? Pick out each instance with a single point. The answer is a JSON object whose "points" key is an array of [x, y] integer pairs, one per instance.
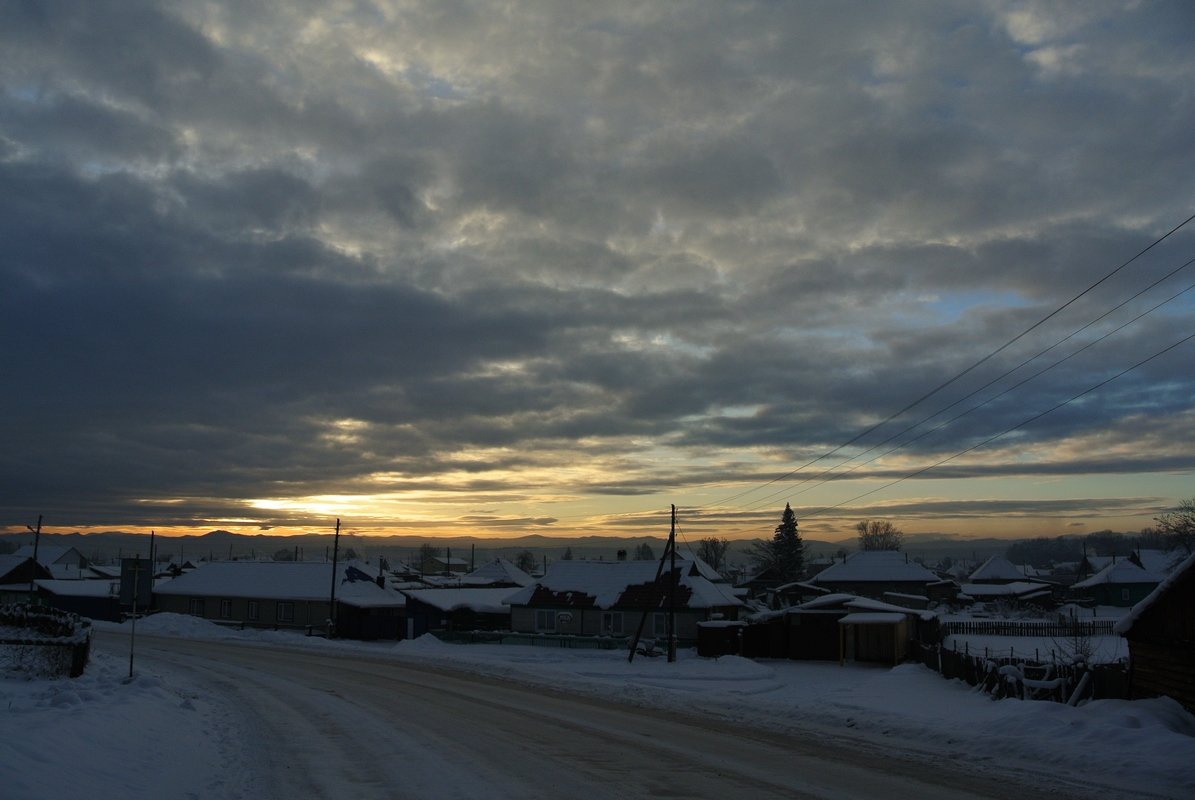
{"points": [[1161, 635]]}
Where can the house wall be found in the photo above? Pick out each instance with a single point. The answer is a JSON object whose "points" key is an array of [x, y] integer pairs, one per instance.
{"points": [[1162, 645], [1114, 594], [813, 635], [588, 621], [306, 612], [1162, 669]]}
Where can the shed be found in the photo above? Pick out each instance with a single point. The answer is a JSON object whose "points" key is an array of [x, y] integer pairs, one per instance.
{"points": [[1161, 634]]}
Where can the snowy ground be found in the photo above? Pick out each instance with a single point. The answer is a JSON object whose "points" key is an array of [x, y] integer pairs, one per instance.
{"points": [[101, 735]]}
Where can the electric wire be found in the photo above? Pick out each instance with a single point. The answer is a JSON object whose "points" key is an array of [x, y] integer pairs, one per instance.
{"points": [[1006, 431], [958, 375]]}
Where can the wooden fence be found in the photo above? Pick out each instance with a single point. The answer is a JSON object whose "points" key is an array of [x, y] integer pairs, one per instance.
{"points": [[1027, 679], [1013, 627]]}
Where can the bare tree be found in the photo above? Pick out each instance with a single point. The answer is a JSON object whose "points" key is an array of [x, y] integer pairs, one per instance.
{"points": [[713, 552], [1178, 525], [525, 561], [643, 552], [879, 534]]}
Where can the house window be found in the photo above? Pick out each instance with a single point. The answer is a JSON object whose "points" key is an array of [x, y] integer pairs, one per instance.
{"points": [[1124, 594], [612, 622], [253, 612], [286, 611], [195, 606], [225, 609], [545, 620], [659, 624]]}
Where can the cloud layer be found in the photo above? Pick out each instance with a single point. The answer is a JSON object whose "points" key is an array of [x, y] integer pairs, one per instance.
{"points": [[562, 263]]}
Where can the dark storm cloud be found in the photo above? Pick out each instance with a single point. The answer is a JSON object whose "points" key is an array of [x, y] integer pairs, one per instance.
{"points": [[255, 251]]}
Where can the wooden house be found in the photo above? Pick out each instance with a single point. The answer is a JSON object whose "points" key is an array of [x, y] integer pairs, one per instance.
{"points": [[478, 608], [845, 627], [1160, 631], [1120, 583], [871, 573], [593, 598], [17, 574], [286, 594]]}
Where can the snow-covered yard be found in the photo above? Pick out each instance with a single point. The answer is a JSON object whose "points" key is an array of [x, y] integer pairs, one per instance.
{"points": [[63, 738]]}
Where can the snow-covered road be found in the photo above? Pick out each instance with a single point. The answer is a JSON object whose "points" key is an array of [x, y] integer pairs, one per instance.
{"points": [[334, 727]]}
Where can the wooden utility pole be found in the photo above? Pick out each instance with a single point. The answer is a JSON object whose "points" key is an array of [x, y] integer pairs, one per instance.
{"points": [[332, 600], [672, 590], [133, 632], [669, 552], [33, 572]]}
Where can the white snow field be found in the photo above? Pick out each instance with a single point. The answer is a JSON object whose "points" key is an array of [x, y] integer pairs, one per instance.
{"points": [[217, 713]]}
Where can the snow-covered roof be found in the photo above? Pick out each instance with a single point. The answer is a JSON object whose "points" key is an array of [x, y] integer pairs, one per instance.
{"points": [[1014, 589], [877, 566], [1123, 571], [997, 568], [282, 580], [601, 584], [481, 600], [1122, 627], [842, 600], [1160, 562], [48, 554], [500, 570], [10, 561], [74, 588], [872, 618]]}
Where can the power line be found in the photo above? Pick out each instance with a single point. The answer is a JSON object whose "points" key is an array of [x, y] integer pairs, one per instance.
{"points": [[822, 477], [958, 375], [1007, 431]]}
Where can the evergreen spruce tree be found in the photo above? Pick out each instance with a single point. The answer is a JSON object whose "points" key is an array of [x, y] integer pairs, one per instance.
{"points": [[787, 547]]}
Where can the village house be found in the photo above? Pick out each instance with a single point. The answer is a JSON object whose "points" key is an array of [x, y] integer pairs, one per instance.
{"points": [[1120, 583], [845, 627], [286, 594], [1160, 631], [17, 574], [93, 599], [595, 598], [871, 573], [457, 609], [996, 569], [64, 563]]}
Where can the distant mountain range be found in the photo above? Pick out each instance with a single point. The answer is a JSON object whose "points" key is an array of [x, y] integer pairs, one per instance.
{"points": [[220, 544]]}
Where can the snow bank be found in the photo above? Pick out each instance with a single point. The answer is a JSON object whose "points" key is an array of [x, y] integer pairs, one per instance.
{"points": [[103, 735]]}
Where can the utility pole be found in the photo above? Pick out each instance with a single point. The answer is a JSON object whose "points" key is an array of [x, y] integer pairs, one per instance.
{"points": [[672, 590], [669, 551], [332, 601], [133, 632], [33, 572]]}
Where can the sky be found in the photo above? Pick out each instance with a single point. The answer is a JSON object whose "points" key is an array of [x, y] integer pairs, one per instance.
{"points": [[452, 267]]}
